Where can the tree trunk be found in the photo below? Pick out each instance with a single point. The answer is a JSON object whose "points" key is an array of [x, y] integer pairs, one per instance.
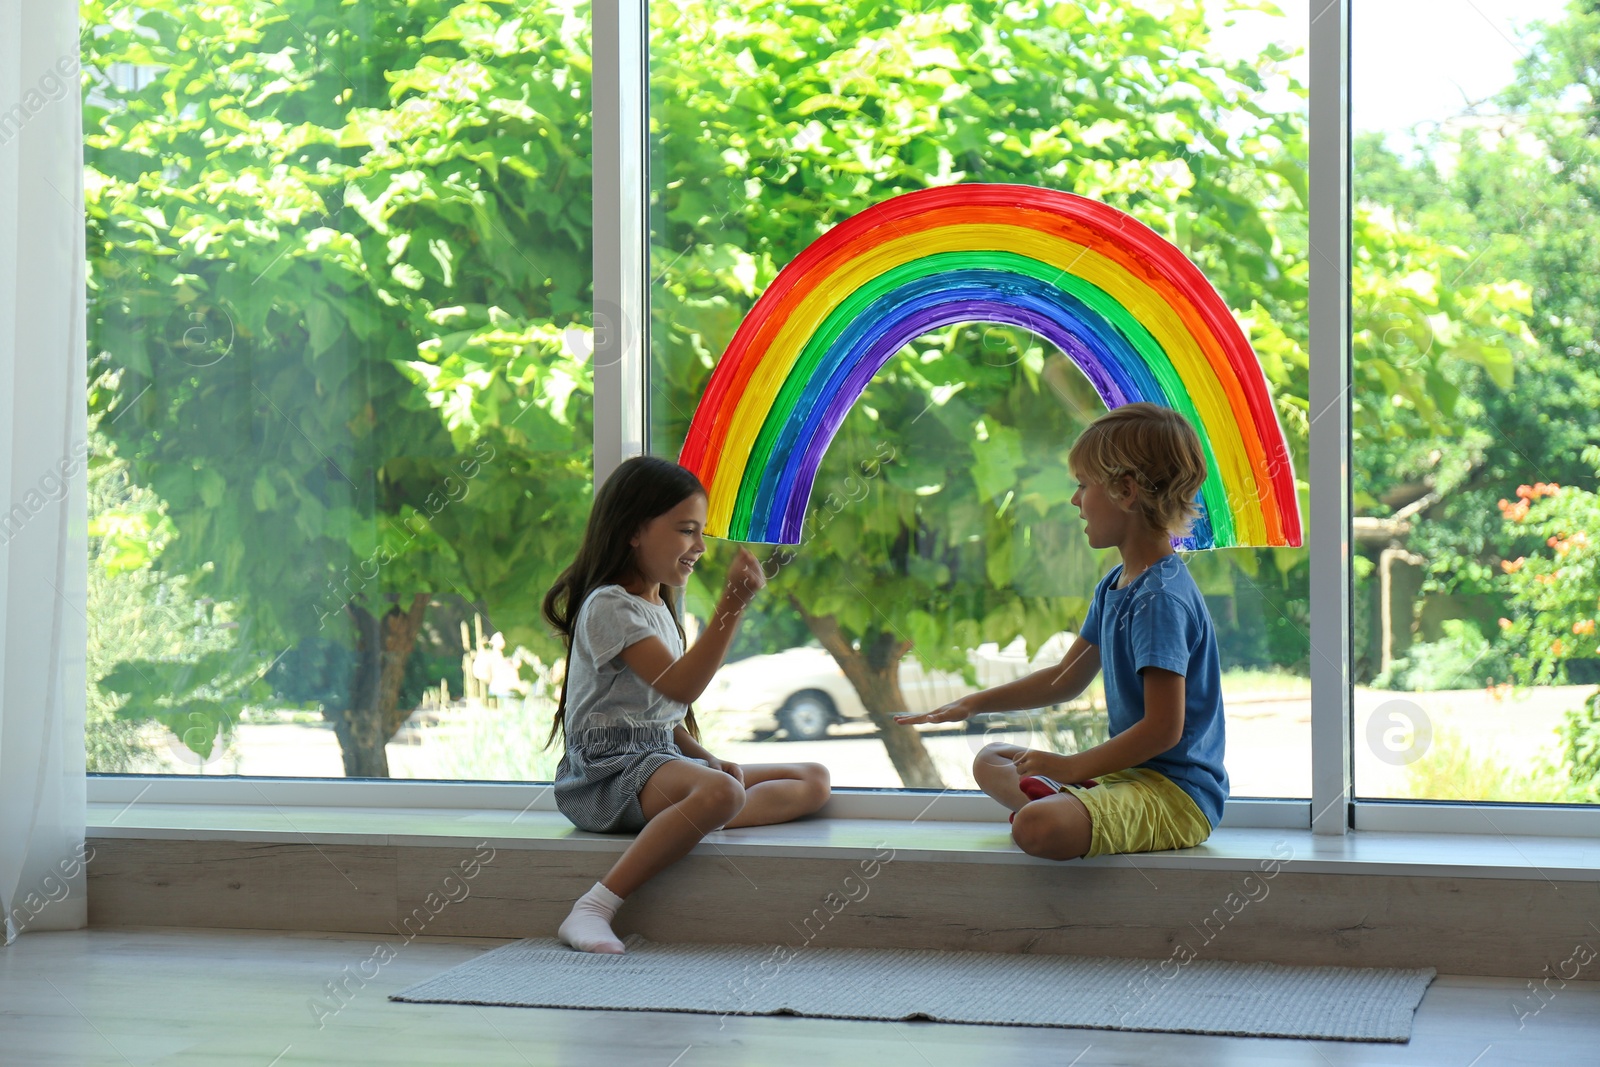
{"points": [[373, 714], [874, 670]]}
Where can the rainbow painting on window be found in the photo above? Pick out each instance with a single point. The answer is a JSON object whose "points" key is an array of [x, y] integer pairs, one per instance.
{"points": [[1126, 306]]}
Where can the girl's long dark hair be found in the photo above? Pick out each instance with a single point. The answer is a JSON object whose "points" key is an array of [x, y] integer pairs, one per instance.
{"points": [[637, 491]]}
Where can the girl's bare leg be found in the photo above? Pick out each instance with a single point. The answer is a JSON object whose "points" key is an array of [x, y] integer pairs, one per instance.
{"points": [[995, 771], [779, 792], [683, 802]]}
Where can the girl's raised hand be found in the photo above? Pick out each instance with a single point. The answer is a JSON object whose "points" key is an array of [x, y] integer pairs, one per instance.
{"points": [[745, 578]]}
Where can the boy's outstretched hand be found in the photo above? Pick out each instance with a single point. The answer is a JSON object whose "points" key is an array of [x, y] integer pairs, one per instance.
{"points": [[955, 711]]}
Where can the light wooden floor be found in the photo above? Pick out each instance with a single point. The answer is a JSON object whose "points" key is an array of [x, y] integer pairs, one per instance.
{"points": [[169, 996]]}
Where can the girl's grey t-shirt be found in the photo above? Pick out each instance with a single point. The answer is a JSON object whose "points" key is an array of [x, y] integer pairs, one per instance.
{"points": [[609, 707]]}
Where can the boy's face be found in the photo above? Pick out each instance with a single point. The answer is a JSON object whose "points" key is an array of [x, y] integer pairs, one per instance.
{"points": [[1106, 520]]}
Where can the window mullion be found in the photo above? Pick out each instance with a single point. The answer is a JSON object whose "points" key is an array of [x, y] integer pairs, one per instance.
{"points": [[1329, 397], [621, 239]]}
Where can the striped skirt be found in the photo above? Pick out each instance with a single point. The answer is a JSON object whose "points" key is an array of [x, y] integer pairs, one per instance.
{"points": [[599, 779]]}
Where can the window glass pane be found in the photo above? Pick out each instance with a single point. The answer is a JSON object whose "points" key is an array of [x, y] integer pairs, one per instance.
{"points": [[339, 262], [940, 550], [1475, 352]]}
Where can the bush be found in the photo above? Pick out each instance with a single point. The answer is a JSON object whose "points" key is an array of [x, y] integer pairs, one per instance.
{"points": [[500, 744], [1554, 584], [1451, 771], [318, 671], [137, 614], [1075, 729], [1581, 735], [1462, 659]]}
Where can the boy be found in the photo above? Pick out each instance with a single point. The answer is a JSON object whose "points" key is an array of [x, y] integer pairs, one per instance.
{"points": [[1159, 782]]}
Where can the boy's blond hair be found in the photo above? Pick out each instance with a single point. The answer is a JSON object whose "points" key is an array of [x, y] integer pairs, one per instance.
{"points": [[1158, 448]]}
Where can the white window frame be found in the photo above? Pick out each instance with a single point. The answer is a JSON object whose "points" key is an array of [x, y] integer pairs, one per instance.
{"points": [[1328, 398], [621, 321]]}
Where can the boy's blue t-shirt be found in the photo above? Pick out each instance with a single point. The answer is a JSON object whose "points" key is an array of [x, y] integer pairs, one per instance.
{"points": [[1160, 620]]}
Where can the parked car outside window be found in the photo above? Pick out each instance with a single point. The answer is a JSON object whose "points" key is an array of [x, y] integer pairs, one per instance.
{"points": [[801, 692]]}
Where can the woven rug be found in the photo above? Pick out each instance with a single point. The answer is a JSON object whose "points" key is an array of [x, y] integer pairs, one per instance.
{"points": [[1005, 989]]}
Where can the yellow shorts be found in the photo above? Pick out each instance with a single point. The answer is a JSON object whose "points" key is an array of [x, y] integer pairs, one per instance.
{"points": [[1140, 810]]}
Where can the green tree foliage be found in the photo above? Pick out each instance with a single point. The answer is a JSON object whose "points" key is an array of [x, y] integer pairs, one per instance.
{"points": [[1499, 410], [1556, 192], [1508, 205], [333, 248], [772, 124], [1439, 343], [339, 252]]}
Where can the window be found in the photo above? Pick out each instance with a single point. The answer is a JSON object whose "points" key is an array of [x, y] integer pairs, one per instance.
{"points": [[1475, 656], [342, 394], [940, 552], [339, 393]]}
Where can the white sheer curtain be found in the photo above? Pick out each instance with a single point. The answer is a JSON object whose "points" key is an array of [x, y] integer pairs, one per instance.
{"points": [[43, 548]]}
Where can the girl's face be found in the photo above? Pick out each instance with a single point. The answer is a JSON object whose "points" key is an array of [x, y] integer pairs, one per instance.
{"points": [[667, 547], [1105, 519]]}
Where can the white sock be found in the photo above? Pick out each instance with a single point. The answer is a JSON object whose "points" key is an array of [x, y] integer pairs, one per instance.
{"points": [[587, 927]]}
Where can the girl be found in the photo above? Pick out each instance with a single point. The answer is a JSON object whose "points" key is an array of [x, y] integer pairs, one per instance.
{"points": [[633, 761]]}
